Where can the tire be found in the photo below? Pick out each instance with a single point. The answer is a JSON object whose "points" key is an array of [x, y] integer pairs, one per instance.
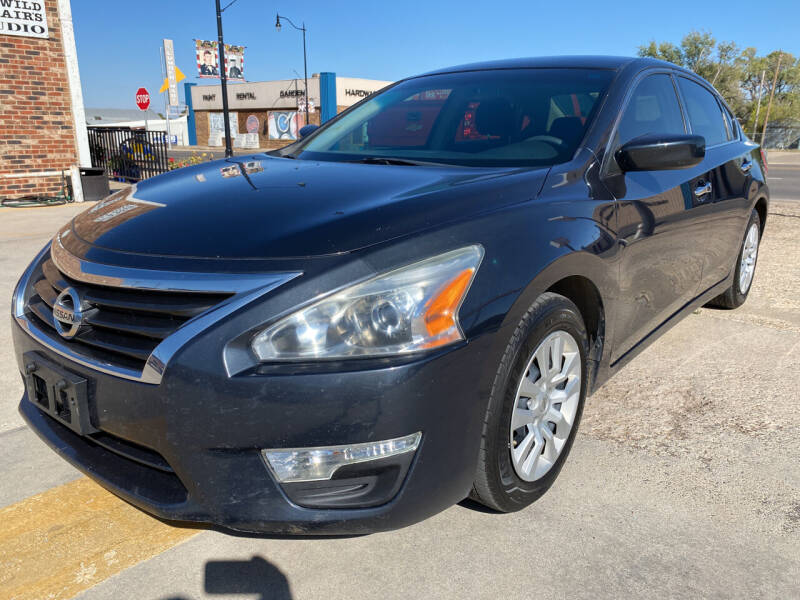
{"points": [[501, 481], [737, 293]]}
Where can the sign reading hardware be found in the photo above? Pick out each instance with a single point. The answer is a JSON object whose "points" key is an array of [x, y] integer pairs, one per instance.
{"points": [[358, 93], [23, 17]]}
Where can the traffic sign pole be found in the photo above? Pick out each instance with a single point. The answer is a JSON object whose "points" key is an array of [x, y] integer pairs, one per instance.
{"points": [[143, 102]]}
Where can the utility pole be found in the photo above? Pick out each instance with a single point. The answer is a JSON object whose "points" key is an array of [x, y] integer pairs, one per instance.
{"points": [[771, 94], [758, 106], [224, 80]]}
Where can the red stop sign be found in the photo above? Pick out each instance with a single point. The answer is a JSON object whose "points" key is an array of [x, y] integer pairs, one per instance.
{"points": [[142, 98]]}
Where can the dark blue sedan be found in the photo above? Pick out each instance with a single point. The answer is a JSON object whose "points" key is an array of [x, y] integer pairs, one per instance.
{"points": [[404, 308]]}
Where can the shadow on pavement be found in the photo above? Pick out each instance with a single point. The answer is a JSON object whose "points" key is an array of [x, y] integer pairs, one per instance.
{"points": [[254, 576]]}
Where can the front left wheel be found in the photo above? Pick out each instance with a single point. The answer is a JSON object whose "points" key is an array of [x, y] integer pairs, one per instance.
{"points": [[535, 406]]}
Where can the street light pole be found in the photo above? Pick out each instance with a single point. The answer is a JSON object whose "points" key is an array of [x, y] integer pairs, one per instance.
{"points": [[224, 80], [305, 61]]}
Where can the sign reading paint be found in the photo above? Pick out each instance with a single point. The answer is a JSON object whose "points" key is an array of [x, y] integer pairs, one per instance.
{"points": [[23, 17], [142, 99]]}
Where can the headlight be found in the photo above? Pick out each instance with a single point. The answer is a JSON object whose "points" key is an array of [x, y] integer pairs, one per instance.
{"points": [[406, 310]]}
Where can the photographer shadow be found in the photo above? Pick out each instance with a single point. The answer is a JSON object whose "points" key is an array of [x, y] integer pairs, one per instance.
{"points": [[254, 576]]}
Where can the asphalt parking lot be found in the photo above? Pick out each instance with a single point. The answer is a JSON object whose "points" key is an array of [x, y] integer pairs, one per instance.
{"points": [[684, 481]]}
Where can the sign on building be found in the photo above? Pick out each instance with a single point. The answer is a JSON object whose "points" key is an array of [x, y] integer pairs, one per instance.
{"points": [[216, 127], [27, 19]]}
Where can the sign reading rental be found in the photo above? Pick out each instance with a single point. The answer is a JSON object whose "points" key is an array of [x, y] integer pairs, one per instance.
{"points": [[23, 17]]}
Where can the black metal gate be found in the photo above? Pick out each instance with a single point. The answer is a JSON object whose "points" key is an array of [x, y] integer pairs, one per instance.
{"points": [[129, 154]]}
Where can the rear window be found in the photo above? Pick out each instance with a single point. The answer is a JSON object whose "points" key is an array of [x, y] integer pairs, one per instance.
{"points": [[482, 118]]}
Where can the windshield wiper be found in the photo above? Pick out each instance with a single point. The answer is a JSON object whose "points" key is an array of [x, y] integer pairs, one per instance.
{"points": [[379, 160]]}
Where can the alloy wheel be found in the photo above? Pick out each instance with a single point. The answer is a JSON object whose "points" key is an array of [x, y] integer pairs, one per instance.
{"points": [[747, 264], [545, 405]]}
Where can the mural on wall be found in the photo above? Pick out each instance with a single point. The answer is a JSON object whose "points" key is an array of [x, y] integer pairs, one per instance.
{"points": [[282, 124]]}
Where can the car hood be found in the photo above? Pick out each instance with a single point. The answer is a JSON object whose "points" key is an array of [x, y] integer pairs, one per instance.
{"points": [[267, 207]]}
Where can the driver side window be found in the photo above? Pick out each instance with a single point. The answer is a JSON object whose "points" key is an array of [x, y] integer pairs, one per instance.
{"points": [[652, 109]]}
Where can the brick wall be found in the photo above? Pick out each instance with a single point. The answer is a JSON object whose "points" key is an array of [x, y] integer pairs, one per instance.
{"points": [[35, 111]]}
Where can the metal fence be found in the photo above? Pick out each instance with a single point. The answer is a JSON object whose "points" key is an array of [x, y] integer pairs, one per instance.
{"points": [[127, 154], [780, 136]]}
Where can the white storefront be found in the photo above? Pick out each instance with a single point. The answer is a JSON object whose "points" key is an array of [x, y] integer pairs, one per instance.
{"points": [[265, 113]]}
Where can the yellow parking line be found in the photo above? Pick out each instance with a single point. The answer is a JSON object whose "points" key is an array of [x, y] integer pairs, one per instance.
{"points": [[56, 544]]}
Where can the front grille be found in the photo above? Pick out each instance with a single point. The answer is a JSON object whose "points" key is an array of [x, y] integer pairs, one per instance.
{"points": [[122, 326]]}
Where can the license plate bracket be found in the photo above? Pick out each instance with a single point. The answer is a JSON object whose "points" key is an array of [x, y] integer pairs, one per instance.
{"points": [[58, 392]]}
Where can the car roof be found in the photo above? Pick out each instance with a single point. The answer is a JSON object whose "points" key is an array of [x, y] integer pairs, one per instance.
{"points": [[575, 62]]}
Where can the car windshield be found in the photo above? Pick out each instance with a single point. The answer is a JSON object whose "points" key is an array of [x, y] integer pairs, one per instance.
{"points": [[504, 117]]}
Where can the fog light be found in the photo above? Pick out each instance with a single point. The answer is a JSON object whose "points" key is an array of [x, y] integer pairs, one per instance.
{"points": [[318, 464]]}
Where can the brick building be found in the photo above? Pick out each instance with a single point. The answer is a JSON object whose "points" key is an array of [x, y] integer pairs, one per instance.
{"points": [[41, 105]]}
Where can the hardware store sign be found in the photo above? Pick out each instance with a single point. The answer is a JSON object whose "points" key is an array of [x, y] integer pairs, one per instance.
{"points": [[23, 17]]}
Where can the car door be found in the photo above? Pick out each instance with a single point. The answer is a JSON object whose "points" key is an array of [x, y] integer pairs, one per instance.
{"points": [[728, 163], [660, 216]]}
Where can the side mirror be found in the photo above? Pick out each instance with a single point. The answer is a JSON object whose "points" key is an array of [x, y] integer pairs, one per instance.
{"points": [[307, 130], [661, 152]]}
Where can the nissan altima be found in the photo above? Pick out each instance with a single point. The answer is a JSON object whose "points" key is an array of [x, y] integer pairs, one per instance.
{"points": [[406, 307]]}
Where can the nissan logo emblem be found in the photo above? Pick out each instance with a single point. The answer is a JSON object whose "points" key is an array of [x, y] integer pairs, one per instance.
{"points": [[67, 313]]}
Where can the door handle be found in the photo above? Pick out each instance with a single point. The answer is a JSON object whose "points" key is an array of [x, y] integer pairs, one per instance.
{"points": [[746, 166], [702, 191]]}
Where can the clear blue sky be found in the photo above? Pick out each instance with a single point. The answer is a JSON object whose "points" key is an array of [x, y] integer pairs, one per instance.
{"points": [[118, 42]]}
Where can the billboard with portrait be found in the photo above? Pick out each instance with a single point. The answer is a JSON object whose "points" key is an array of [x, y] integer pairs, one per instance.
{"points": [[234, 62], [207, 58]]}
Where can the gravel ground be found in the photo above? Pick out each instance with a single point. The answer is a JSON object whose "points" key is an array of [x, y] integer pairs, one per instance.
{"points": [[720, 416]]}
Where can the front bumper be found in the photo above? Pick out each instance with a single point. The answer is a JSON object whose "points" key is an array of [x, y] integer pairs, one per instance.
{"points": [[208, 430]]}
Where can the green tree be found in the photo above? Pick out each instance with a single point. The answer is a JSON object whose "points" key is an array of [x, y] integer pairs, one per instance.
{"points": [[737, 75], [664, 51], [786, 99]]}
